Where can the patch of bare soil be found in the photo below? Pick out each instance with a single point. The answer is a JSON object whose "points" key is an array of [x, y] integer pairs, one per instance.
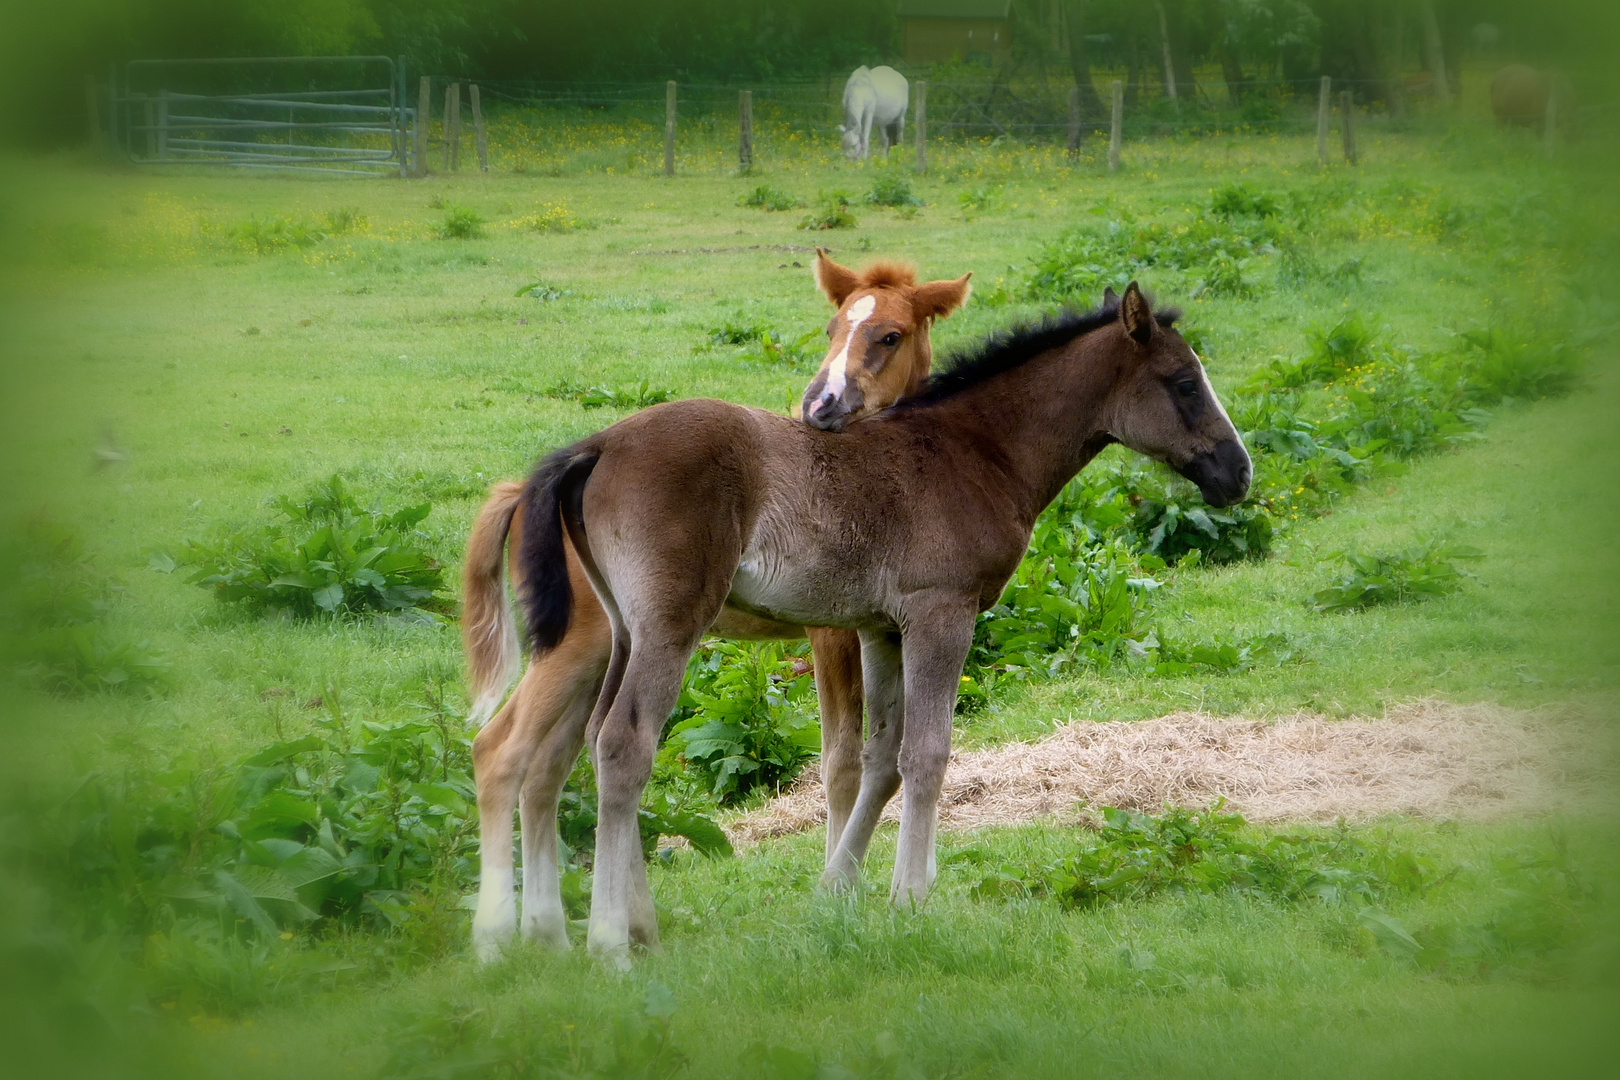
{"points": [[1428, 759]]}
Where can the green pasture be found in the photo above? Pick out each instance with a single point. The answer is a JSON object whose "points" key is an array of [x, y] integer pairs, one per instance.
{"points": [[178, 349]]}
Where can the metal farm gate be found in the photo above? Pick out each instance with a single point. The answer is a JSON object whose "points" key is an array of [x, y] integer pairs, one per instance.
{"points": [[326, 114]]}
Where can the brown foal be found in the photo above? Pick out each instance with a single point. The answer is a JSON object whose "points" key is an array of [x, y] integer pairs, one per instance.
{"points": [[878, 352], [903, 527]]}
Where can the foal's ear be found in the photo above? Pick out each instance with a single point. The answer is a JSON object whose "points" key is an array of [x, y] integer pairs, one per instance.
{"points": [[1137, 314], [1110, 297], [835, 282], [937, 299]]}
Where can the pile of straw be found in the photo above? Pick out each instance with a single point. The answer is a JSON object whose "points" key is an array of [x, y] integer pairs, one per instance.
{"points": [[1427, 758]]}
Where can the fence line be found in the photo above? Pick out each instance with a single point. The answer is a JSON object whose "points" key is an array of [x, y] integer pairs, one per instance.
{"points": [[174, 126]]}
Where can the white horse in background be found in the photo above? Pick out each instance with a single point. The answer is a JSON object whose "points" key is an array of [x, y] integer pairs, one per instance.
{"points": [[873, 97]]}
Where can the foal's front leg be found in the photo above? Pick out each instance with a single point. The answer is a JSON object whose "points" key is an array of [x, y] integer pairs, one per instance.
{"points": [[884, 689], [935, 646], [839, 692]]}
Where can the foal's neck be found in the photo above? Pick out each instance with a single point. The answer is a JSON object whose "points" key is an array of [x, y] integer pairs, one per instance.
{"points": [[1040, 423]]}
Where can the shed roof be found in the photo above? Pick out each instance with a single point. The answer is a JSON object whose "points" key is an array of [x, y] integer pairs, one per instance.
{"points": [[955, 9]]}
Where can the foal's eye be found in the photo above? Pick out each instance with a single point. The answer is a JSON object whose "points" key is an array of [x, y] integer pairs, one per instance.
{"points": [[891, 339], [1187, 388]]}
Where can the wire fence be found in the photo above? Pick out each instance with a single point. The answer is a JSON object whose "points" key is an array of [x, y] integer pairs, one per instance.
{"points": [[363, 115], [1026, 108]]}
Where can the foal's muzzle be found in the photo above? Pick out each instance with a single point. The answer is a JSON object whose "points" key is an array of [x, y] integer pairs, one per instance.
{"points": [[822, 410], [1222, 474]]}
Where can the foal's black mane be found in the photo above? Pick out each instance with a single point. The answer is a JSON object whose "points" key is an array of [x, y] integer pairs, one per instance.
{"points": [[1006, 349]]}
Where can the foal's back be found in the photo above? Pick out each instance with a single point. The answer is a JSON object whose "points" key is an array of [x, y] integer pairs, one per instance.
{"points": [[818, 525]]}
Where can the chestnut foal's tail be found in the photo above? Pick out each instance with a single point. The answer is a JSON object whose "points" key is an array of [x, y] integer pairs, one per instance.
{"points": [[552, 490], [488, 633]]}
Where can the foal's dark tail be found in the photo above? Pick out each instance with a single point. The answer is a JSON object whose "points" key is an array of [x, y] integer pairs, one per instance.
{"points": [[552, 490]]}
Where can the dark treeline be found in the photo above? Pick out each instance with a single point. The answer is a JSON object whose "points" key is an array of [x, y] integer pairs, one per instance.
{"points": [[46, 50]]}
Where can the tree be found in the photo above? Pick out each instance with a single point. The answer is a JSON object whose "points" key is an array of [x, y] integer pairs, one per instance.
{"points": [[1074, 13]]}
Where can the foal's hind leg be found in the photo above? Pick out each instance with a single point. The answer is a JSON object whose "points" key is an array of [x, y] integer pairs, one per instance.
{"points": [[499, 757], [573, 675], [883, 682], [545, 920], [621, 906], [523, 757], [838, 689]]}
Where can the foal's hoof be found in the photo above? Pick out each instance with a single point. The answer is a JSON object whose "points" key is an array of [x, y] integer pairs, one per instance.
{"points": [[547, 935], [612, 949], [839, 879], [614, 958], [489, 949]]}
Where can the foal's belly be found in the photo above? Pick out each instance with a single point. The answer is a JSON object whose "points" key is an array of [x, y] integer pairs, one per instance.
{"points": [[778, 592], [734, 622]]}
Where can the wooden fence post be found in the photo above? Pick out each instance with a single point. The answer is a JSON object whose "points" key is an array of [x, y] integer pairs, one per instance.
{"points": [[1397, 51], [444, 131], [1324, 105], [92, 112], [1116, 123], [452, 131], [151, 128], [1550, 133], [1074, 122], [114, 142], [669, 128], [1348, 101], [163, 124], [1169, 62], [921, 118], [401, 95], [478, 128], [745, 129], [424, 109], [1434, 53]]}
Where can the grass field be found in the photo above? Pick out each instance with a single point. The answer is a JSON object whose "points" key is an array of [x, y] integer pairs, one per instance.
{"points": [[179, 349]]}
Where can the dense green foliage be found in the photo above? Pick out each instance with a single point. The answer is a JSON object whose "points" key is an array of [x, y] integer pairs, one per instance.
{"points": [[324, 556], [891, 188], [745, 721], [461, 223], [765, 344], [635, 396], [363, 824], [830, 211], [766, 197], [1427, 568]]}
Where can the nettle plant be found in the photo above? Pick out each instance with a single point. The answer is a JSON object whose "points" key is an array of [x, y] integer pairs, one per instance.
{"points": [[1424, 569], [765, 197], [745, 721], [324, 555], [358, 822], [766, 344], [631, 396]]}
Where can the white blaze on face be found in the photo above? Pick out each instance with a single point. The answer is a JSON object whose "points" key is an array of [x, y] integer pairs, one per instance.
{"points": [[859, 312], [1210, 390]]}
